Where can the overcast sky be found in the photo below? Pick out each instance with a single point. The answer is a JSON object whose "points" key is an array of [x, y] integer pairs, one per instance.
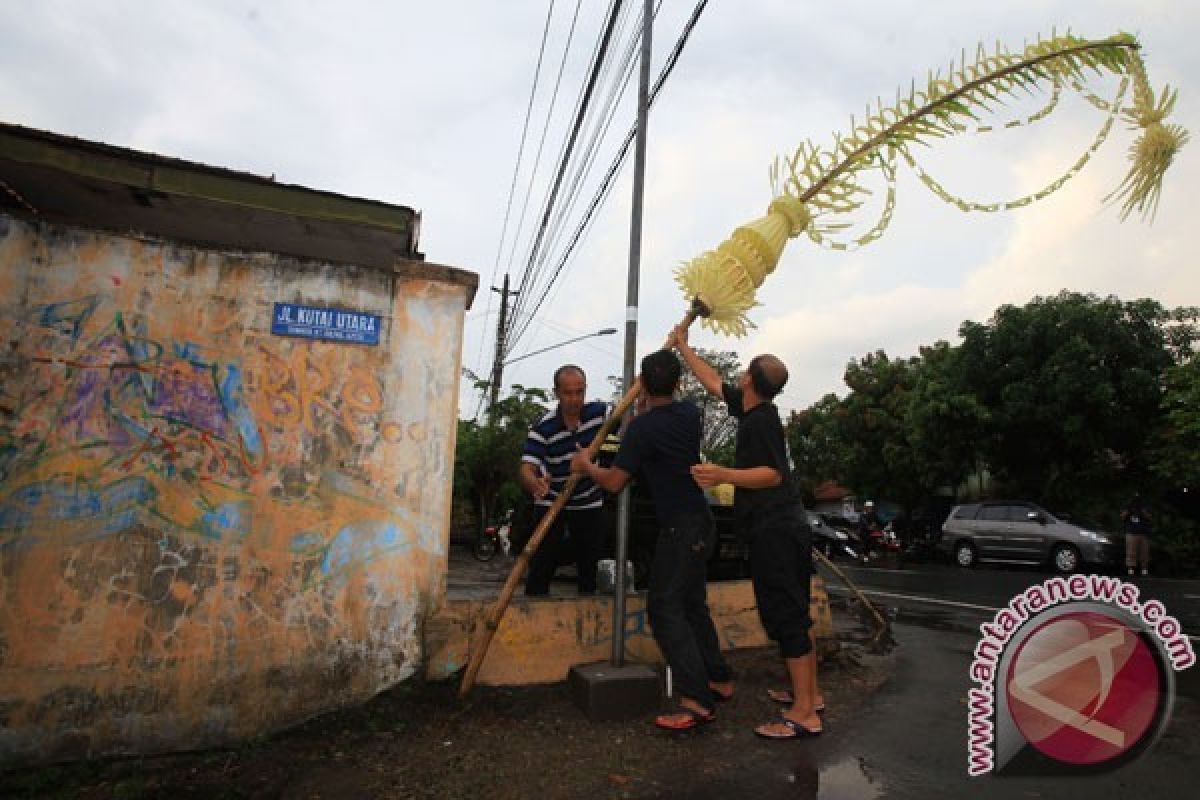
{"points": [[422, 104]]}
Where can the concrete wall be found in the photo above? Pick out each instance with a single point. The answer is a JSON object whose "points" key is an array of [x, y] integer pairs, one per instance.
{"points": [[540, 639], [208, 532]]}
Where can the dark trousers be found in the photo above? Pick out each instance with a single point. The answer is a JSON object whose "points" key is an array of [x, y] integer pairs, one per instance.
{"points": [[781, 569], [678, 608], [585, 532]]}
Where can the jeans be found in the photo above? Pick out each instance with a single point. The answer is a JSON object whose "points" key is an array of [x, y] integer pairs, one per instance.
{"points": [[678, 607], [585, 527]]}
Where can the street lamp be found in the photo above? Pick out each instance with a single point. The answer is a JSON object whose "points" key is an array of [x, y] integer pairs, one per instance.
{"points": [[500, 365], [602, 332]]}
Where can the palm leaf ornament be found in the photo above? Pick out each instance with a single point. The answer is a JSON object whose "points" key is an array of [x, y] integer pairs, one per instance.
{"points": [[817, 187]]}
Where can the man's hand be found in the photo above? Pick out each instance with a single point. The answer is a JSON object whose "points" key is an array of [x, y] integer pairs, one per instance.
{"points": [[678, 338], [580, 461], [708, 475], [537, 484]]}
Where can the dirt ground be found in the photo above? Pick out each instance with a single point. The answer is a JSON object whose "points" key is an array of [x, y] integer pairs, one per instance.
{"points": [[418, 740]]}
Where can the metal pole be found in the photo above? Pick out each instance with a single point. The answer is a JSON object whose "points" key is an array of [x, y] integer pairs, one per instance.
{"points": [[631, 313]]}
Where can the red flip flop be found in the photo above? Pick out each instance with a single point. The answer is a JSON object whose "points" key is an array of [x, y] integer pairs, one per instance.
{"points": [[685, 719]]}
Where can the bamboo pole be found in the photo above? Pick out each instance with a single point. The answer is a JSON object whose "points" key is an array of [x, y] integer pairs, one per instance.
{"points": [[881, 623], [483, 636]]}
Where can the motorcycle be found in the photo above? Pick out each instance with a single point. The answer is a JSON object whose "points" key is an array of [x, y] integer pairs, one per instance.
{"points": [[884, 542], [494, 538]]}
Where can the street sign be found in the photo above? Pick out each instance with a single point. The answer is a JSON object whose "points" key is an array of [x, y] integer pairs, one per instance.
{"points": [[330, 324]]}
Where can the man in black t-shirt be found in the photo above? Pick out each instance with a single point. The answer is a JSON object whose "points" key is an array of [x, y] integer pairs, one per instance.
{"points": [[660, 446], [768, 510]]}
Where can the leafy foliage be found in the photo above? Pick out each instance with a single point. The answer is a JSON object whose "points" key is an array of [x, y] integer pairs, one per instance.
{"points": [[488, 454], [1072, 400]]}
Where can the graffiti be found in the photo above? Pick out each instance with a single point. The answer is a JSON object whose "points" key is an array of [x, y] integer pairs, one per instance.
{"points": [[636, 626], [130, 395], [302, 391]]}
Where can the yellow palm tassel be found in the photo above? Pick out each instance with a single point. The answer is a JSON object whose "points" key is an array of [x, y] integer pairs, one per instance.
{"points": [[725, 279]]}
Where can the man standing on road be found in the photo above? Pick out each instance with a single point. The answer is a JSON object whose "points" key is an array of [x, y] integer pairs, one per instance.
{"points": [[868, 524], [768, 510], [545, 468], [661, 445], [1136, 517]]}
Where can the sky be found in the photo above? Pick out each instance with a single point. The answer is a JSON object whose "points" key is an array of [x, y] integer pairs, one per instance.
{"points": [[422, 104]]}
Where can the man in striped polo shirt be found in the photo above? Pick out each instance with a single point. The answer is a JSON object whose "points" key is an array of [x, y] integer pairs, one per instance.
{"points": [[545, 468]]}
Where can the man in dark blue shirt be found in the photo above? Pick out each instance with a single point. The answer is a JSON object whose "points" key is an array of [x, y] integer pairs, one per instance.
{"points": [[545, 468], [768, 510], [661, 445]]}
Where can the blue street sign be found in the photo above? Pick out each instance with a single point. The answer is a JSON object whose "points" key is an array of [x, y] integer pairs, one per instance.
{"points": [[330, 324]]}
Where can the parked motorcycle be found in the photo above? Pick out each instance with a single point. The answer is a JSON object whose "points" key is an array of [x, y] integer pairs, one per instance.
{"points": [[494, 538], [883, 543]]}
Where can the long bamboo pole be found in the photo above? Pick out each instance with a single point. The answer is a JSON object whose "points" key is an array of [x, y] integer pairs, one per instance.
{"points": [[483, 636], [881, 625]]}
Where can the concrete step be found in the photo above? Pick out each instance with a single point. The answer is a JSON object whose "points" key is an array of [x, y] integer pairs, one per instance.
{"points": [[540, 639]]}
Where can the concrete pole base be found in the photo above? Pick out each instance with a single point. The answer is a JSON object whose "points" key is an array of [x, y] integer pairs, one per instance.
{"points": [[605, 693]]}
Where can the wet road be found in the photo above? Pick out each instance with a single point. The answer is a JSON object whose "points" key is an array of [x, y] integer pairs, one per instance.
{"points": [[987, 589], [909, 740]]}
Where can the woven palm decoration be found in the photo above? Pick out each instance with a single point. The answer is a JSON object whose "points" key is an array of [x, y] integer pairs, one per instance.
{"points": [[818, 186]]}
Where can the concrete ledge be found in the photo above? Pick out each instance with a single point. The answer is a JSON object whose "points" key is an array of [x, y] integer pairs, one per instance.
{"points": [[540, 639]]}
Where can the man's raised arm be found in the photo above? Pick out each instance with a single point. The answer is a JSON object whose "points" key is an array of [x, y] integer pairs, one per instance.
{"points": [[709, 378]]}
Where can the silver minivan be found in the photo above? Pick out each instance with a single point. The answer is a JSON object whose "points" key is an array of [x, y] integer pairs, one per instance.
{"points": [[1019, 531]]}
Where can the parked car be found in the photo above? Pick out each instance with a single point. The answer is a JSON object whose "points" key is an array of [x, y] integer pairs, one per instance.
{"points": [[833, 542], [1020, 531]]}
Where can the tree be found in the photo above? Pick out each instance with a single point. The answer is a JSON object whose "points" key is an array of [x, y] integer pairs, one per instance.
{"points": [[716, 443], [488, 455], [817, 441], [1072, 385], [945, 419], [878, 454], [1175, 457]]}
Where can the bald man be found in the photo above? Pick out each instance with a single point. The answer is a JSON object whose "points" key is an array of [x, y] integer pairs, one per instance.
{"points": [[768, 510]]}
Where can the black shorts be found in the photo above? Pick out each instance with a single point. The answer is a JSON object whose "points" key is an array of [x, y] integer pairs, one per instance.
{"points": [[781, 569]]}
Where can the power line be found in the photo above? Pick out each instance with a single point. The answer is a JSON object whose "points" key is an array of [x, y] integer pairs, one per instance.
{"points": [[537, 161], [537, 71], [618, 161], [581, 111], [538, 255]]}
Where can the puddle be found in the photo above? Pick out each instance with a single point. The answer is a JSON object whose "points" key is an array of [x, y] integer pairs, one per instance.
{"points": [[845, 780]]}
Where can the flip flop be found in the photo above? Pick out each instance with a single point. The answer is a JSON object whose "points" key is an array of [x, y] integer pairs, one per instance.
{"points": [[684, 719], [784, 697], [721, 698], [795, 730]]}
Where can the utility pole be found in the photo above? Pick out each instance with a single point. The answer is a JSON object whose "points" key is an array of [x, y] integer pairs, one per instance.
{"points": [[631, 315], [498, 364]]}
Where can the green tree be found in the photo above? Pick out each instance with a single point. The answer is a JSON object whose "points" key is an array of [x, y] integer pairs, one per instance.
{"points": [[817, 440], [488, 454], [1072, 386], [1175, 457], [878, 455], [945, 419]]}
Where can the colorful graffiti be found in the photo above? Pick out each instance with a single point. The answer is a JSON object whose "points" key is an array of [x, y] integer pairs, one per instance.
{"points": [[190, 503]]}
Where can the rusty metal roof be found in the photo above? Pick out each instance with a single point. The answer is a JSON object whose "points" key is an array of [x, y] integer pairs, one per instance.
{"points": [[74, 181]]}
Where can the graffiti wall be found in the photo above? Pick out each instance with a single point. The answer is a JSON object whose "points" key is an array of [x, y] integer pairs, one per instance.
{"points": [[208, 531]]}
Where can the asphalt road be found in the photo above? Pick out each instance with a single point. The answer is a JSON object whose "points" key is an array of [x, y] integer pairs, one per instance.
{"points": [[910, 741], [986, 589]]}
